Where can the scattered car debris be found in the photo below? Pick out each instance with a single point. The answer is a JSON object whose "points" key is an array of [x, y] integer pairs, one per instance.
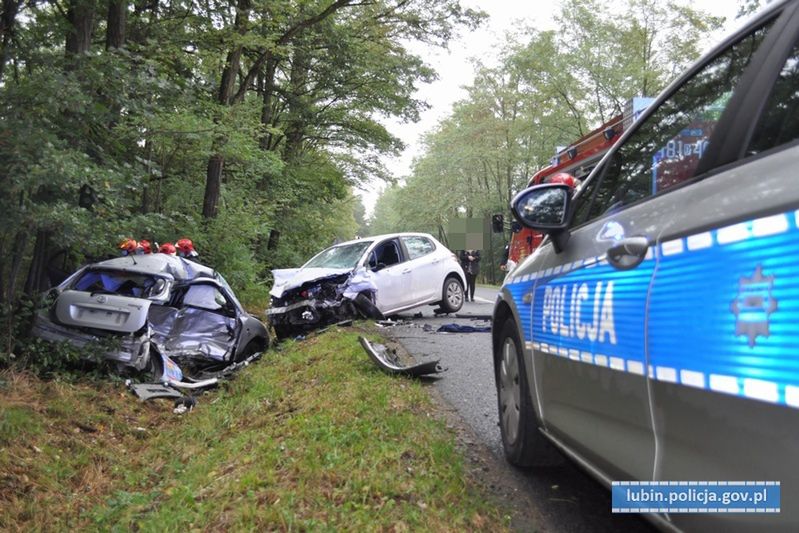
{"points": [[474, 317], [184, 405], [463, 328], [169, 389], [149, 391], [365, 278], [342, 324], [389, 362], [208, 378], [163, 314]]}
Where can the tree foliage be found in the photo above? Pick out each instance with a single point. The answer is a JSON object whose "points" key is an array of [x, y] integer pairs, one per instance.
{"points": [[219, 120], [548, 89]]}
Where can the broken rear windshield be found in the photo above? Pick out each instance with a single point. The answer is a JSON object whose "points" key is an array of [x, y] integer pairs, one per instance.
{"points": [[345, 256], [121, 283]]}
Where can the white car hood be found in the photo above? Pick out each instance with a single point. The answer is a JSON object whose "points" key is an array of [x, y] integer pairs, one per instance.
{"points": [[290, 278]]}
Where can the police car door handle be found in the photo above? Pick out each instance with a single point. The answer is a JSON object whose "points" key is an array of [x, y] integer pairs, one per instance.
{"points": [[628, 253]]}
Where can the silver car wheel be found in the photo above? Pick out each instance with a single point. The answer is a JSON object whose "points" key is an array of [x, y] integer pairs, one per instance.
{"points": [[509, 390], [454, 294]]}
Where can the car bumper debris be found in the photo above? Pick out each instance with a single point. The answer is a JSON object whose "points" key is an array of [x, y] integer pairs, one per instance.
{"points": [[389, 362], [149, 391]]}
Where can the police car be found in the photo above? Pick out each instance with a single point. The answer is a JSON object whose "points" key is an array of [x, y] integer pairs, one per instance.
{"points": [[654, 335]]}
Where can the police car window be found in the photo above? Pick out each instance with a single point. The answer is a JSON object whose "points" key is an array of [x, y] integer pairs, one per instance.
{"points": [[665, 150], [779, 122], [583, 201], [418, 246]]}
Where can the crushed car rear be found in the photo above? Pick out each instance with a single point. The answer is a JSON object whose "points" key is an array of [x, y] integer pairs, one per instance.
{"points": [[156, 312]]}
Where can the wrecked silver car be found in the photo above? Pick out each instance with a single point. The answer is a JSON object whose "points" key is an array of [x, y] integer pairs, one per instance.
{"points": [[168, 315]]}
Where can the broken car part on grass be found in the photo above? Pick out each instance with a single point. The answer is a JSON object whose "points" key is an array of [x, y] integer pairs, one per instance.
{"points": [[150, 391], [166, 315], [389, 362]]}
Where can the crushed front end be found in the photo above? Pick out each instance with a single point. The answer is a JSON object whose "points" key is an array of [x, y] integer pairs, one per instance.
{"points": [[303, 300], [313, 304]]}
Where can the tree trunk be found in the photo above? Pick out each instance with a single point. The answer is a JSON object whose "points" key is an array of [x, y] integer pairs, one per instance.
{"points": [[37, 273], [213, 176], [213, 185], [8, 19], [295, 128], [145, 198], [116, 22], [4, 256], [20, 247], [267, 141], [80, 14]]}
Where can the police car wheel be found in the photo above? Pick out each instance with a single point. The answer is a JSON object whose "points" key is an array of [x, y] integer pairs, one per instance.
{"points": [[452, 297], [523, 444]]}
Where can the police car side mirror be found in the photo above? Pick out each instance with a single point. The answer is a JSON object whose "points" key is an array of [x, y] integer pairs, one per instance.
{"points": [[545, 208], [542, 207]]}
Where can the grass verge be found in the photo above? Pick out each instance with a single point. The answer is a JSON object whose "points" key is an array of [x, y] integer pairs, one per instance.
{"points": [[312, 437]]}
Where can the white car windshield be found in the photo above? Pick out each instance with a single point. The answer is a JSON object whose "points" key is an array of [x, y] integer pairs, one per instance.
{"points": [[344, 256]]}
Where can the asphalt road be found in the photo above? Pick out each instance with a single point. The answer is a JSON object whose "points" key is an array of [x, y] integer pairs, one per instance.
{"points": [[560, 498]]}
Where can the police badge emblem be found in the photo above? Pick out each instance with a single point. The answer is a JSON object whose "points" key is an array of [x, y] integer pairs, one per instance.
{"points": [[753, 305]]}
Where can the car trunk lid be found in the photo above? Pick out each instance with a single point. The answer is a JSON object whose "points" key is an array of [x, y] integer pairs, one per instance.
{"points": [[101, 311]]}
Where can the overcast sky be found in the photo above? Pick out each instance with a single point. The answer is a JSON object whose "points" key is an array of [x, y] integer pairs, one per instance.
{"points": [[455, 69]]}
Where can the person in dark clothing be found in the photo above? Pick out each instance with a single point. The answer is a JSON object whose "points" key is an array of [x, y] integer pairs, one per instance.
{"points": [[470, 260]]}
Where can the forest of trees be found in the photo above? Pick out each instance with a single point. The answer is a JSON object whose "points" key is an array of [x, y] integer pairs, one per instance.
{"points": [[547, 89], [217, 120]]}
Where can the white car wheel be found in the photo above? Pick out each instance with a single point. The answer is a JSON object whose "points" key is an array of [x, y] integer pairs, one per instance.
{"points": [[452, 298]]}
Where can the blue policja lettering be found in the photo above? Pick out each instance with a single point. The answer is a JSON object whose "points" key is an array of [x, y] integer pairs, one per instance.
{"points": [[563, 307]]}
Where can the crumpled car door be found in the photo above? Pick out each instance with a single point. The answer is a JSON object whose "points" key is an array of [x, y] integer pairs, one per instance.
{"points": [[204, 325]]}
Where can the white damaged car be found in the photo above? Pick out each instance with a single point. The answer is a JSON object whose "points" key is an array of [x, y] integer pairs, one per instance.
{"points": [[373, 276]]}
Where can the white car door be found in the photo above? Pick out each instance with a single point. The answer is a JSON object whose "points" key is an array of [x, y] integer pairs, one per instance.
{"points": [[392, 276], [424, 262]]}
